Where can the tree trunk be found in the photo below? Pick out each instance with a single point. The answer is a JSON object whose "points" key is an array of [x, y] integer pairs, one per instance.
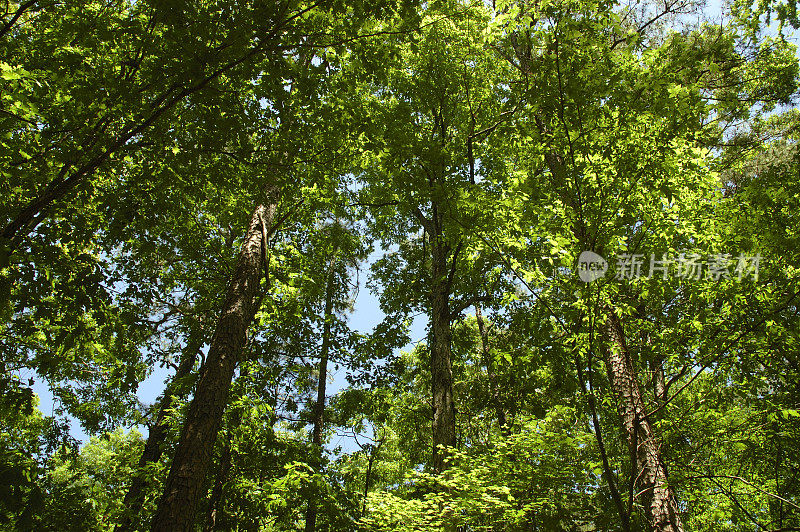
{"points": [[658, 498], [444, 412], [488, 361], [373, 454], [215, 506], [322, 381], [178, 505], [134, 498], [650, 476]]}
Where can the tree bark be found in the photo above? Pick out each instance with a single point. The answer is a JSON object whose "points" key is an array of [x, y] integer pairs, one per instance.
{"points": [[153, 449], [178, 505], [444, 411], [650, 474], [488, 361], [216, 504], [322, 381], [649, 480]]}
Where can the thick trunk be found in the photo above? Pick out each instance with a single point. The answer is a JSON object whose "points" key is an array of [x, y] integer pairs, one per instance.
{"points": [[488, 361], [322, 381], [650, 476], [651, 486], [178, 505], [134, 499], [444, 412]]}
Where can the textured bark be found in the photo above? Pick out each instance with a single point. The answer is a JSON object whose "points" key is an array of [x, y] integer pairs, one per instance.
{"points": [[177, 508], [444, 411], [608, 474], [651, 486], [153, 449], [650, 477], [488, 361], [216, 518], [322, 382]]}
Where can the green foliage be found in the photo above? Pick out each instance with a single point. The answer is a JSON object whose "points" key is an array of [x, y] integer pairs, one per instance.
{"points": [[453, 150], [536, 478]]}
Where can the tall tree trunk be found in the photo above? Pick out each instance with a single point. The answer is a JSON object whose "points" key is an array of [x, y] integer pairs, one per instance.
{"points": [[650, 477], [444, 411], [178, 505], [659, 381], [322, 381], [658, 498], [488, 361], [215, 505], [373, 455], [134, 498]]}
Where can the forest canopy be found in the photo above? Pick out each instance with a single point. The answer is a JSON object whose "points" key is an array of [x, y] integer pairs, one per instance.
{"points": [[589, 207]]}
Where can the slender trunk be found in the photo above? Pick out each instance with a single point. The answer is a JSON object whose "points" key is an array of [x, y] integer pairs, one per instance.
{"points": [[444, 412], [153, 449], [215, 506], [183, 489], [608, 474], [649, 480], [374, 449], [658, 498], [659, 381], [322, 381], [488, 361]]}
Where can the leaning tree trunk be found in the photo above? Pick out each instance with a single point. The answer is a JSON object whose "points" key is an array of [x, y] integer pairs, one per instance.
{"points": [[322, 381], [178, 505], [216, 505], [134, 498], [444, 411], [657, 497], [216, 516]]}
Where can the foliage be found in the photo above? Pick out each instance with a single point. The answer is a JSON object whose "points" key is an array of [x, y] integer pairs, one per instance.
{"points": [[461, 156]]}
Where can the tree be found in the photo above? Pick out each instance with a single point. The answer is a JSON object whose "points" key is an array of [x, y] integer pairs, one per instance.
{"points": [[438, 105]]}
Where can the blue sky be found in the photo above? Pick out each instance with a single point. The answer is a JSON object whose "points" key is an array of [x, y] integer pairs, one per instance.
{"points": [[366, 315]]}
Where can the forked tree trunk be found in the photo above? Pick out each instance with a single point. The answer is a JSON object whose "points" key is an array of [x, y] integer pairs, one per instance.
{"points": [[651, 486], [183, 490], [153, 449], [444, 411], [322, 381]]}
